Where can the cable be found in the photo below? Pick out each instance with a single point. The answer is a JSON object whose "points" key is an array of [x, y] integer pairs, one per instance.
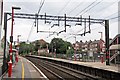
{"points": [[64, 7], [61, 11], [81, 30], [86, 8], [41, 4], [30, 32], [112, 14], [75, 8], [107, 6], [92, 7], [114, 18]]}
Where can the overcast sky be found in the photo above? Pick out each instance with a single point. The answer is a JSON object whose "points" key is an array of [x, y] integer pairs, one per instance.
{"points": [[103, 9]]}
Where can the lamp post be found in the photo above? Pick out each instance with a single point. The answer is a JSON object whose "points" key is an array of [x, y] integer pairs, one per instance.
{"points": [[11, 41], [47, 50], [102, 58], [75, 49], [101, 35], [54, 49], [18, 42], [18, 38], [16, 57], [101, 53]]}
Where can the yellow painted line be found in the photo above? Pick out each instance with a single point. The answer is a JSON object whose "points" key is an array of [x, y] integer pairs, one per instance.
{"points": [[22, 71]]}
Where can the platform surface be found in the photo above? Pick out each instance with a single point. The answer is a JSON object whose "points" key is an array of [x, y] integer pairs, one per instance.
{"points": [[99, 65], [24, 69]]}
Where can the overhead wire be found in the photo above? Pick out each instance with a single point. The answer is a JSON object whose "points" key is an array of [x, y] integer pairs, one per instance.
{"points": [[86, 8], [41, 4], [30, 32], [75, 8], [61, 11], [108, 16], [92, 7], [80, 31], [102, 9], [111, 15], [64, 7], [114, 18], [112, 3]]}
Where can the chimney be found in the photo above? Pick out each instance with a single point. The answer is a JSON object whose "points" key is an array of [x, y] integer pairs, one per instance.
{"points": [[90, 41], [81, 41]]}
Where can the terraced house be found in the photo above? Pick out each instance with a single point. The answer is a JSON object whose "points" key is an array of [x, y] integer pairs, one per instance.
{"points": [[91, 48]]}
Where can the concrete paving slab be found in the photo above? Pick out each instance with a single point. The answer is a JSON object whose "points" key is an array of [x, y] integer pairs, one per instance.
{"points": [[25, 69]]}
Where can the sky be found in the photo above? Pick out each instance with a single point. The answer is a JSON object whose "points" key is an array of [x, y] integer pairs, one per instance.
{"points": [[100, 9]]}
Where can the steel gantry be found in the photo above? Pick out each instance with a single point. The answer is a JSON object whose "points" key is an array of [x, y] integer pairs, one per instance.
{"points": [[77, 20]]}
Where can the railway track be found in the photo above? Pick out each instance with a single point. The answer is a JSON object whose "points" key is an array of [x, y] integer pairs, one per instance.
{"points": [[55, 71]]}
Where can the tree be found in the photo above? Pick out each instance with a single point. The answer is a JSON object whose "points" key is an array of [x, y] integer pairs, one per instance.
{"points": [[40, 44], [59, 46], [36, 45], [70, 52], [25, 48]]}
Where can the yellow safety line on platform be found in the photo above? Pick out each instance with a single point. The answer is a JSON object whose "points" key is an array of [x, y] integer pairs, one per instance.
{"points": [[22, 71]]}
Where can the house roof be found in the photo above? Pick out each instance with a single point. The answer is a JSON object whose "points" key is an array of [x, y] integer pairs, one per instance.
{"points": [[118, 35], [42, 41], [95, 41], [115, 47]]}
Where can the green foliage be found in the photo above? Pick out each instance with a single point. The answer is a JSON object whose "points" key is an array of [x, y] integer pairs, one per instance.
{"points": [[59, 46], [36, 46], [26, 48], [70, 51], [39, 45]]}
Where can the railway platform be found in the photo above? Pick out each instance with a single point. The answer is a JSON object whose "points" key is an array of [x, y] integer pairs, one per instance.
{"points": [[25, 70], [98, 70], [97, 65]]}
